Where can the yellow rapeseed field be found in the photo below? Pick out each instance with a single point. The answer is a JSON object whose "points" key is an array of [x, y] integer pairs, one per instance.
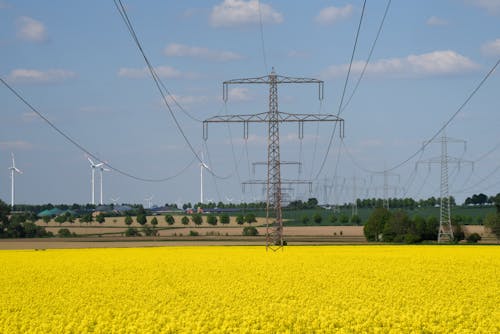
{"points": [[324, 289]]}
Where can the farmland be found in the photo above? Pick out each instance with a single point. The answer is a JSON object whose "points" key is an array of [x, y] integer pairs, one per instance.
{"points": [[246, 289]]}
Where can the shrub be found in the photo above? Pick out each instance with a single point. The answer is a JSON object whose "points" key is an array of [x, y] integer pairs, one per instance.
{"points": [[149, 231], [128, 220], [250, 218], [197, 219], [64, 233], [224, 219], [193, 233], [132, 232], [317, 218], [473, 238], [240, 219], [212, 219], [250, 231], [304, 219], [169, 219]]}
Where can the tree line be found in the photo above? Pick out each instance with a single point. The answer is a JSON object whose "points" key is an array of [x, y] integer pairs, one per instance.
{"points": [[397, 226]]}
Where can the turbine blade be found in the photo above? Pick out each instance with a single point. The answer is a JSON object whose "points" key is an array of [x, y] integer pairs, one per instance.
{"points": [[91, 162]]}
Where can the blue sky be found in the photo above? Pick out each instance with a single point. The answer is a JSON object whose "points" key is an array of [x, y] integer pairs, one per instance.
{"points": [[76, 63]]}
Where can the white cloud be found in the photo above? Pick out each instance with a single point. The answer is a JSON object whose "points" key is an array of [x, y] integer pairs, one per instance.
{"points": [[239, 94], [436, 21], [491, 6], [162, 71], [427, 64], [491, 48], [30, 29], [331, 15], [239, 12], [181, 50], [30, 117], [298, 54], [36, 76], [15, 145]]}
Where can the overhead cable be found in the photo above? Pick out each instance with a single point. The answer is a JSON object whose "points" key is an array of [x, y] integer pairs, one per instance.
{"points": [[123, 13], [87, 151], [343, 92]]}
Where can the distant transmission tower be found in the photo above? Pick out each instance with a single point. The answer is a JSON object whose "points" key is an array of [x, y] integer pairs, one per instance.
{"points": [[386, 174], [273, 117], [445, 233]]}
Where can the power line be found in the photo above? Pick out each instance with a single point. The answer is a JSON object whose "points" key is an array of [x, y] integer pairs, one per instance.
{"points": [[344, 90], [85, 150], [123, 13], [452, 117], [262, 37], [369, 55]]}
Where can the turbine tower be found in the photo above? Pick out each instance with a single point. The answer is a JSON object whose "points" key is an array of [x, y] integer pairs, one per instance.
{"points": [[203, 165], [149, 200], [93, 166], [102, 169], [13, 170]]}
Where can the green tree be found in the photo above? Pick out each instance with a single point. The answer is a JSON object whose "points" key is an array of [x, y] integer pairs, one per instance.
{"points": [[333, 218], [240, 219], [304, 219], [46, 219], [317, 218], [344, 219], [185, 220], [100, 218], [492, 222], [64, 233], [224, 219], [250, 231], [375, 224], [141, 219], [356, 220], [128, 220], [250, 218], [212, 219], [149, 231], [60, 219], [197, 219], [154, 221], [87, 218], [132, 232], [169, 219]]}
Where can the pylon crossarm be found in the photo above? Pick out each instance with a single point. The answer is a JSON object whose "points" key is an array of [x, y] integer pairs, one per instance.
{"points": [[261, 117], [288, 117]]}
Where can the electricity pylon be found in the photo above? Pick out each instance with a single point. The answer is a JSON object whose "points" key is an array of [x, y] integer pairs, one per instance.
{"points": [[445, 232], [273, 117], [386, 186]]}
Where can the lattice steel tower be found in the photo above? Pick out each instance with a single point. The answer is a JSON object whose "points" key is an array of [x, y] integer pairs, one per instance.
{"points": [[445, 232], [273, 117]]}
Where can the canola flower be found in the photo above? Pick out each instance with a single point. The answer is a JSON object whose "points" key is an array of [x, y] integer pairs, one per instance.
{"points": [[324, 289]]}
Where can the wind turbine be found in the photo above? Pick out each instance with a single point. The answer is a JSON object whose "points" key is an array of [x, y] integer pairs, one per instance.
{"points": [[102, 170], [93, 166], [13, 170], [203, 165], [149, 200], [114, 200]]}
